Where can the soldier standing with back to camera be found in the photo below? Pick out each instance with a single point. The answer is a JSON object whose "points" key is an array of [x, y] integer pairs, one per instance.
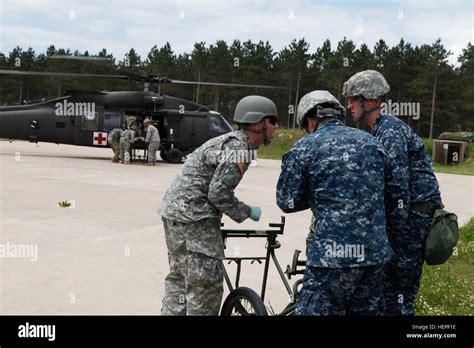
{"points": [[194, 204], [153, 141], [128, 136], [337, 172], [411, 196]]}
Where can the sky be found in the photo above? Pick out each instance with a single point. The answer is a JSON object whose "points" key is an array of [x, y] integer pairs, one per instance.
{"points": [[119, 25]]}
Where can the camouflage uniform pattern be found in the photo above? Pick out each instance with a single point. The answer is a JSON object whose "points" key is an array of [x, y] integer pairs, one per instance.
{"points": [[338, 172], [127, 137], [306, 104], [407, 228], [341, 291], [369, 83], [400, 288], [311, 233], [194, 285], [205, 186], [194, 204], [114, 141], [153, 140], [313, 99], [138, 124]]}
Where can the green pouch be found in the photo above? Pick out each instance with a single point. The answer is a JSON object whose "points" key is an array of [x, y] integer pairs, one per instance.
{"points": [[442, 238]]}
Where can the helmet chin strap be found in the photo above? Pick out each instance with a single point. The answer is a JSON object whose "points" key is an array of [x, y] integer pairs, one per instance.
{"points": [[266, 141], [366, 112]]}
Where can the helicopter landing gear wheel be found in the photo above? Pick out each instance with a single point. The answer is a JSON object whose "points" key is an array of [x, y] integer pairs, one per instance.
{"points": [[163, 155], [174, 155], [243, 301]]}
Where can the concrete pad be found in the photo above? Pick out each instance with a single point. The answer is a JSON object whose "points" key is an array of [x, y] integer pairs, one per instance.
{"points": [[107, 254]]}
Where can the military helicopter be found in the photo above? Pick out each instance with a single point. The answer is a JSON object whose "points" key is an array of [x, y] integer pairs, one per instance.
{"points": [[85, 118]]}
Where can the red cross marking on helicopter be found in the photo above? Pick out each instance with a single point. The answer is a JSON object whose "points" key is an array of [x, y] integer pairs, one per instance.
{"points": [[99, 138]]}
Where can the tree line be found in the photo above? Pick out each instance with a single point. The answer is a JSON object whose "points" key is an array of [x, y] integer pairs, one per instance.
{"points": [[420, 75]]}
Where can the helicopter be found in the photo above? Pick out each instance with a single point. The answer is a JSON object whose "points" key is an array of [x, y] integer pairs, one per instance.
{"points": [[85, 118]]}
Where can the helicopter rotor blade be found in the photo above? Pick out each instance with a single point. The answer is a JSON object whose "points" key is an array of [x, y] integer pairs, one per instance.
{"points": [[151, 78], [83, 58], [109, 65], [45, 73], [126, 76], [227, 84], [137, 77]]}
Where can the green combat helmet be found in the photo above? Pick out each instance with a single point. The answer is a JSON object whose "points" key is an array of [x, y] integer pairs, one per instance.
{"points": [[253, 109], [369, 84], [325, 103]]}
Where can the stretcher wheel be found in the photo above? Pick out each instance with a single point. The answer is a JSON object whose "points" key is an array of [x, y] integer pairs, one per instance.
{"points": [[243, 301]]}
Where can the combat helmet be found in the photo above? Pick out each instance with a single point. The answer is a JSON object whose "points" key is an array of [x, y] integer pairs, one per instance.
{"points": [[323, 102], [253, 108], [369, 84]]}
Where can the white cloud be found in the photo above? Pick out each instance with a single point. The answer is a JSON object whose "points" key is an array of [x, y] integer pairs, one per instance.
{"points": [[359, 30], [120, 25]]}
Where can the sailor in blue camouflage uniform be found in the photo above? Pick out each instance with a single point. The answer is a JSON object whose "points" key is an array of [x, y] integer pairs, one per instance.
{"points": [[412, 193], [338, 173], [193, 206]]}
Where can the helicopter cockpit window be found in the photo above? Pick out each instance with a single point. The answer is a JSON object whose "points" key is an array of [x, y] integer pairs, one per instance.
{"points": [[112, 120], [218, 124], [90, 121]]}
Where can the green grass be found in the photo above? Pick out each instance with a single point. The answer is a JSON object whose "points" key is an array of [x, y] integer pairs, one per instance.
{"points": [[283, 140], [448, 289], [466, 167]]}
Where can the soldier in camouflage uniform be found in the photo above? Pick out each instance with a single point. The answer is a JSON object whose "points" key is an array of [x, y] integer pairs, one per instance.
{"points": [[114, 141], [128, 136], [153, 141], [412, 193], [140, 132], [338, 173], [194, 204]]}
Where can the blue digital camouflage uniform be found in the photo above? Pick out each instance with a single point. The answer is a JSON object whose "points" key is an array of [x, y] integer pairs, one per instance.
{"points": [[408, 224], [191, 211], [338, 172]]}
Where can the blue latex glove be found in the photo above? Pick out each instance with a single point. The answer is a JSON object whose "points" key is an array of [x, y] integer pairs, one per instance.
{"points": [[255, 213]]}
